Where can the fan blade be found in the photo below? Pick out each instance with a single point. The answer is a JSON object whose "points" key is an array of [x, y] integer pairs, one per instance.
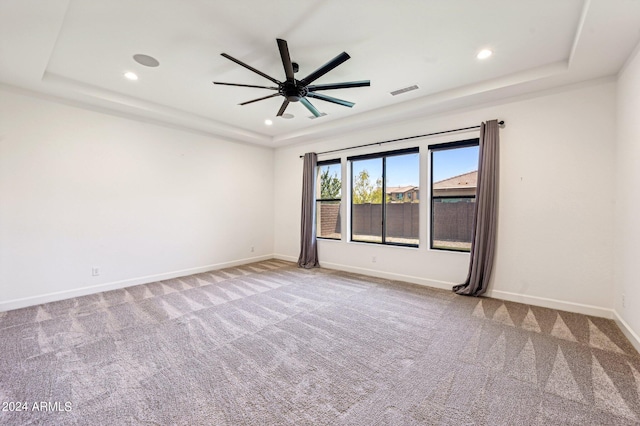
{"points": [[345, 85], [284, 106], [260, 99], [245, 85], [286, 59], [330, 99], [310, 107], [249, 67], [325, 68]]}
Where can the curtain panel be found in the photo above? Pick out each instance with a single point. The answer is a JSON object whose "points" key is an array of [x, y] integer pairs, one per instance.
{"points": [[308, 244], [485, 216]]}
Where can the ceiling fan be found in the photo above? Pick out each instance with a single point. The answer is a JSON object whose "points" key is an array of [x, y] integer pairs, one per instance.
{"points": [[294, 90]]}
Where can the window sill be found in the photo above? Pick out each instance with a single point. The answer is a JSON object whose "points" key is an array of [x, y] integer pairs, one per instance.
{"points": [[371, 243], [328, 239]]}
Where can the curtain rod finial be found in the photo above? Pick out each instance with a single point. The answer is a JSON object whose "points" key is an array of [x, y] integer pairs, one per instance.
{"points": [[501, 124]]}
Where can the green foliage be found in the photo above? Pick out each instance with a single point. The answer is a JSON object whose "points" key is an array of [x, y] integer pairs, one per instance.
{"points": [[364, 191], [376, 196], [330, 186]]}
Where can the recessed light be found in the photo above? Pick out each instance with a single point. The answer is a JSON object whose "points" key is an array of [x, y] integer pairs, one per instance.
{"points": [[268, 122], [130, 76], [146, 60], [484, 54]]}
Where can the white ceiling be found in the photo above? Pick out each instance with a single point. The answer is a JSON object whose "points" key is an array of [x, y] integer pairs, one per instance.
{"points": [[79, 51]]}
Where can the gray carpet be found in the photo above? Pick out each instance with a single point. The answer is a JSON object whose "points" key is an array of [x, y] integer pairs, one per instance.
{"points": [[270, 344]]}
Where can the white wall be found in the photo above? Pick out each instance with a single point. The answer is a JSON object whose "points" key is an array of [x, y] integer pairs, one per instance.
{"points": [[142, 202], [82, 189], [627, 183], [555, 236]]}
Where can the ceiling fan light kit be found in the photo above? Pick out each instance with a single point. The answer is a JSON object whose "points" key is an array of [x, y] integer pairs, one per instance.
{"points": [[294, 90]]}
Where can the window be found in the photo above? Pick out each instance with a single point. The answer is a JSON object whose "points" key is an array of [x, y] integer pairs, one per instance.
{"points": [[328, 197], [454, 174], [388, 219]]}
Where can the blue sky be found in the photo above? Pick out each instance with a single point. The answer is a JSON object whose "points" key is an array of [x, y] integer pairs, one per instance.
{"points": [[453, 162], [403, 170]]}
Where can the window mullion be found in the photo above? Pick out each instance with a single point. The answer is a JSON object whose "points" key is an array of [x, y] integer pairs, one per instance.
{"points": [[383, 201]]}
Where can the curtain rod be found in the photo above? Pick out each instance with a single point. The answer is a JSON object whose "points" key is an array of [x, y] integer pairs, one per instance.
{"points": [[500, 123]]}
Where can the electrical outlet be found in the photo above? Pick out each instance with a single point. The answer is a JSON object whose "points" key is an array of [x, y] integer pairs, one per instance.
{"points": [[373, 259], [95, 271], [623, 302], [252, 249]]}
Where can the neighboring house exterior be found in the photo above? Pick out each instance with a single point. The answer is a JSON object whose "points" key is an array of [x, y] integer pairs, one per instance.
{"points": [[402, 194], [458, 186]]}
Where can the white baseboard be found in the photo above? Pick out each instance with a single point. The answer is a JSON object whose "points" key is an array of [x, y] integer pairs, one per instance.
{"points": [[115, 285], [627, 330], [544, 302], [388, 275], [285, 258], [496, 294]]}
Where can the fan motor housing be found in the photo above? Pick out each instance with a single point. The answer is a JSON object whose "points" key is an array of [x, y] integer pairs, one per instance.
{"points": [[293, 91]]}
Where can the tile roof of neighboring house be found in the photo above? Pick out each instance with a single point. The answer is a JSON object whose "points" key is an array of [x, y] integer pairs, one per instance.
{"points": [[399, 189], [466, 180]]}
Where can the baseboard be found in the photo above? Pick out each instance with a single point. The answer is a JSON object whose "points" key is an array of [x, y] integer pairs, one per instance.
{"points": [[388, 275], [285, 258], [115, 285], [545, 302], [496, 294], [627, 330]]}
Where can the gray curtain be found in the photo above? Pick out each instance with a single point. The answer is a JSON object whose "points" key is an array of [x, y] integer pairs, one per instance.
{"points": [[308, 245], [483, 239]]}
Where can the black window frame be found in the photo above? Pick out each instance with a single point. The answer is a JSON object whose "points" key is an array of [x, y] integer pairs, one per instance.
{"points": [[328, 163], [441, 147], [383, 156]]}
